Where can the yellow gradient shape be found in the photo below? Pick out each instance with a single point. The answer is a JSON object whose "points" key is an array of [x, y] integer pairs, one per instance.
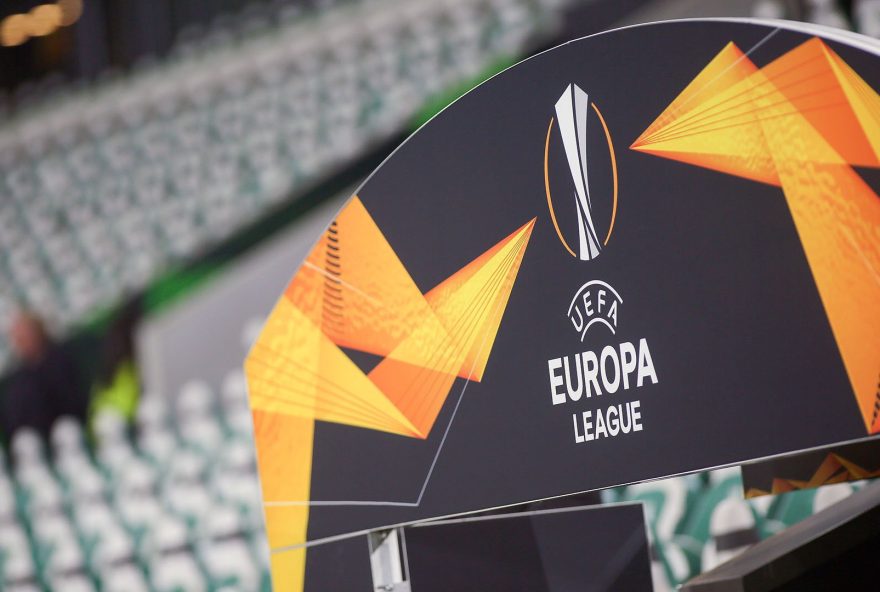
{"points": [[802, 122], [353, 292]]}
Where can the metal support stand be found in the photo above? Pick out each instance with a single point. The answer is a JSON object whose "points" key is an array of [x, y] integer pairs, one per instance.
{"points": [[388, 561]]}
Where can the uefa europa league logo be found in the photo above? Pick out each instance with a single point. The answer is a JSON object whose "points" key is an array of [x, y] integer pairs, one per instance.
{"points": [[572, 114]]}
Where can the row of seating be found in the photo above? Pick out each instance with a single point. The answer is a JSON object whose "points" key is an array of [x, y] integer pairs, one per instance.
{"points": [[697, 522], [110, 185], [865, 14], [172, 505]]}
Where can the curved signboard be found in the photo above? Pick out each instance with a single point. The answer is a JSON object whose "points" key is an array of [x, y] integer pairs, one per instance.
{"points": [[642, 253]]}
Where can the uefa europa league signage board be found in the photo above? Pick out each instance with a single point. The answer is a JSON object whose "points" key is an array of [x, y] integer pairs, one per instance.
{"points": [[646, 252]]}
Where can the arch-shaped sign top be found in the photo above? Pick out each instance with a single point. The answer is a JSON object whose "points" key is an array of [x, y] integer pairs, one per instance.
{"points": [[642, 253]]}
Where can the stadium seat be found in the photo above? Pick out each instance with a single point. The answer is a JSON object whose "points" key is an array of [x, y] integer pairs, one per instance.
{"points": [[123, 578], [829, 495], [733, 530], [665, 503], [866, 14]]}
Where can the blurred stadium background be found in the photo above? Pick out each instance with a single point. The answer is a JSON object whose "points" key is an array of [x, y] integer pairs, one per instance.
{"points": [[165, 164]]}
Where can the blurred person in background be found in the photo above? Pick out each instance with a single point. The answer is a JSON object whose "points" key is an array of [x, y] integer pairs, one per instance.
{"points": [[47, 383], [117, 383]]}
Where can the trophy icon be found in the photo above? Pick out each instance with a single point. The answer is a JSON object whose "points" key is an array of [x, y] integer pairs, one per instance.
{"points": [[571, 115]]}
